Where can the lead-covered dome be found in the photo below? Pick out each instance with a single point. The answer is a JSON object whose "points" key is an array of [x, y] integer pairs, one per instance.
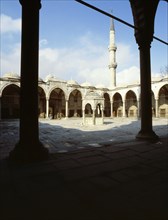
{"points": [[72, 82], [92, 95], [11, 76], [86, 84], [51, 77]]}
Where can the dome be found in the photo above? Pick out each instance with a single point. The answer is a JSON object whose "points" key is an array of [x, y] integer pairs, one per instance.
{"points": [[40, 79], [92, 95], [51, 77], [86, 84], [11, 76], [100, 86], [72, 82]]}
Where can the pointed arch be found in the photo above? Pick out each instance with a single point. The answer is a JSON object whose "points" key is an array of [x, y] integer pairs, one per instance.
{"points": [[117, 105], [88, 110], [57, 104], [41, 102], [11, 102], [107, 105], [131, 104], [163, 101], [75, 103]]}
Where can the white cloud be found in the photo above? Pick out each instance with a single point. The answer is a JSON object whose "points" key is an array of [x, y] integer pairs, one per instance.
{"points": [[43, 42], [126, 56], [8, 24], [85, 61], [128, 76], [10, 62]]}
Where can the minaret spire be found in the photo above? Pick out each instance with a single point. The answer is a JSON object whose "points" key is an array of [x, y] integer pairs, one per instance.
{"points": [[112, 54], [112, 25]]}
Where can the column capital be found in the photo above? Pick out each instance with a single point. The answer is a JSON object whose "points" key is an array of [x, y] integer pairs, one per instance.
{"points": [[31, 3], [144, 15]]}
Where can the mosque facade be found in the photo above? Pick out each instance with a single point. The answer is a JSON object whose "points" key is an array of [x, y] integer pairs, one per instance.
{"points": [[63, 99]]}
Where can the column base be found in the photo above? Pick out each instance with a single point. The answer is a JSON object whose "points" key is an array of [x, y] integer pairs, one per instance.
{"points": [[23, 153], [147, 135]]}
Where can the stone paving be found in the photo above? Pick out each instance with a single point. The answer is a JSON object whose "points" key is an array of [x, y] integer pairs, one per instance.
{"points": [[97, 174], [61, 136]]}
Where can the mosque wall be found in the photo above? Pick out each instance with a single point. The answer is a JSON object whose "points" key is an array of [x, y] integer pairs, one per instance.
{"points": [[59, 99]]}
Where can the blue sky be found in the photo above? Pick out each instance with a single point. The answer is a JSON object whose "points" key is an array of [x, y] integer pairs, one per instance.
{"points": [[74, 41]]}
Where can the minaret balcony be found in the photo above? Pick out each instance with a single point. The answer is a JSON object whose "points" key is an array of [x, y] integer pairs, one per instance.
{"points": [[112, 48], [113, 65]]}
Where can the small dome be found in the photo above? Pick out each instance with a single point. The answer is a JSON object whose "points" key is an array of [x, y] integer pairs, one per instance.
{"points": [[11, 76], [72, 82], [40, 79], [86, 84], [51, 77], [92, 95], [100, 86]]}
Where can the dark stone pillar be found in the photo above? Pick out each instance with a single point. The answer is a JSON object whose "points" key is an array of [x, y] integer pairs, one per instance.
{"points": [[144, 15], [146, 131], [29, 147]]}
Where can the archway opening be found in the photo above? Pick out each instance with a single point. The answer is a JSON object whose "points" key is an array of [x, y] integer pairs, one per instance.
{"points": [[11, 102], [163, 101], [98, 112], [41, 103], [107, 106], [57, 104], [88, 110], [117, 105], [131, 104], [75, 104]]}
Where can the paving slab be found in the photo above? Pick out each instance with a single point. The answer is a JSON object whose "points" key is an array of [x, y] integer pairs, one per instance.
{"points": [[117, 180]]}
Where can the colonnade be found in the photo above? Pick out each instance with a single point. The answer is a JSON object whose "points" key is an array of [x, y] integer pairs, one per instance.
{"points": [[110, 109], [124, 109]]}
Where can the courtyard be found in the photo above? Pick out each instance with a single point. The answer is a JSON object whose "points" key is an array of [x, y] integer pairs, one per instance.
{"points": [[93, 172], [65, 135]]}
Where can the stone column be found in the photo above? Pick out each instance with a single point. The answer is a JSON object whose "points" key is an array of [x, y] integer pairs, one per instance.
{"points": [[146, 131], [138, 106], [111, 102], [124, 108], [66, 108], [94, 117], [47, 107], [83, 110], [0, 107], [29, 147], [75, 109], [102, 110], [157, 107], [144, 14]]}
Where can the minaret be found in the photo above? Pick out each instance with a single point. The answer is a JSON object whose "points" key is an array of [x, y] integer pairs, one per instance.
{"points": [[112, 54]]}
